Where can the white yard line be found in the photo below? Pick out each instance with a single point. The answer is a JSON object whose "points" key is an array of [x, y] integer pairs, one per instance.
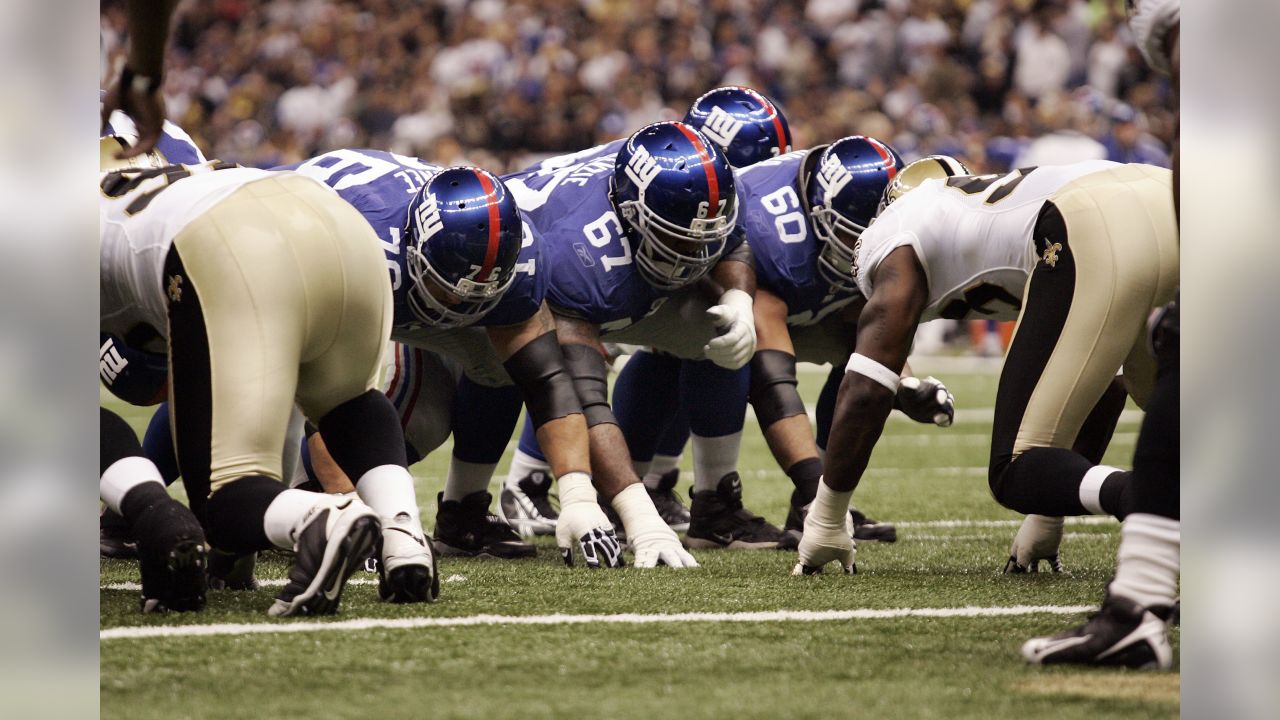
{"points": [[963, 415], [623, 618], [1085, 520]]}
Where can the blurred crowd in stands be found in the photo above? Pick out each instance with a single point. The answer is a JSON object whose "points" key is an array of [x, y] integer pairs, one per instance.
{"points": [[500, 83]]}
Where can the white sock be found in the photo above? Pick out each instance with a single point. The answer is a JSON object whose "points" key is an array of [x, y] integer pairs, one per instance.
{"points": [[661, 465], [1148, 562], [713, 458], [830, 508], [388, 489], [1091, 487], [466, 478], [522, 465], [285, 512], [124, 475]]}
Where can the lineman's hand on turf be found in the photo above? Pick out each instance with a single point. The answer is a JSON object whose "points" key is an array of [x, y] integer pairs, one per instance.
{"points": [[736, 322], [584, 524], [653, 542], [823, 544], [926, 400]]}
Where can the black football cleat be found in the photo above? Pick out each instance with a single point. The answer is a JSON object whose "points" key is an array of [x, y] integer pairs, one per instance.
{"points": [[1122, 634], [228, 571], [718, 519], [173, 555], [332, 543], [527, 507], [466, 528], [865, 529], [664, 497]]}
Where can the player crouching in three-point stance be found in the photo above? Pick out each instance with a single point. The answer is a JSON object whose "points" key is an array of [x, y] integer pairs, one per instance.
{"points": [[269, 289], [1087, 250]]}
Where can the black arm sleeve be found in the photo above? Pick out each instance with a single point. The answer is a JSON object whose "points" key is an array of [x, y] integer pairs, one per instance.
{"points": [[590, 380], [540, 371], [773, 387]]}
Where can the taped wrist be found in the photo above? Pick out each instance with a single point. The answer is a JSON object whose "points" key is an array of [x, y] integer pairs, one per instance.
{"points": [[878, 373], [540, 370], [773, 387], [576, 487], [590, 381]]}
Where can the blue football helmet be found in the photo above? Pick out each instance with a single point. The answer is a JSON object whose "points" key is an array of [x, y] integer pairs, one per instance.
{"points": [[463, 237], [844, 191], [746, 125], [675, 192]]}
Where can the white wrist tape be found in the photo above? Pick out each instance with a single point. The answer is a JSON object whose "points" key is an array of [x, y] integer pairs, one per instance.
{"points": [[738, 299], [864, 365], [576, 487]]}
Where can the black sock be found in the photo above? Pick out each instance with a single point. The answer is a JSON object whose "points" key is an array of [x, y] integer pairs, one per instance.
{"points": [[1115, 495], [235, 513], [805, 476]]}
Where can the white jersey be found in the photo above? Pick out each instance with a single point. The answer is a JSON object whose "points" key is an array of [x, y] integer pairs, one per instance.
{"points": [[972, 235], [137, 224]]}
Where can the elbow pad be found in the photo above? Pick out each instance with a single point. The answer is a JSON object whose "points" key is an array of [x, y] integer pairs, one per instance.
{"points": [[135, 376], [540, 370], [773, 387], [590, 380]]}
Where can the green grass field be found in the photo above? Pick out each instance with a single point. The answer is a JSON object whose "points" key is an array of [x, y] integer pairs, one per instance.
{"points": [[931, 481]]}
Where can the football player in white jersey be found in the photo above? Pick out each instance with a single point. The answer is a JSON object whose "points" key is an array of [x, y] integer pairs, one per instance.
{"points": [[1131, 628], [216, 259], [1079, 254]]}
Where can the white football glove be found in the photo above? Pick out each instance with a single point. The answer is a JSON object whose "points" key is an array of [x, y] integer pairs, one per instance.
{"points": [[736, 322], [653, 542], [926, 400], [822, 544], [583, 523], [1038, 539]]}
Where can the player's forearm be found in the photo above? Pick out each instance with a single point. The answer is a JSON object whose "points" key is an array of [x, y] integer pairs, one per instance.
{"points": [[735, 273], [861, 410], [148, 35], [611, 465], [564, 440]]}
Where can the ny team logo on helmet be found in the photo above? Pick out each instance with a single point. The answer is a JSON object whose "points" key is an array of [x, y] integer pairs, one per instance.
{"points": [[463, 238], [746, 125], [675, 191], [844, 192]]}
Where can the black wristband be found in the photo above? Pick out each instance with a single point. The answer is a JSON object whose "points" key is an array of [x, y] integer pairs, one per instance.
{"points": [[129, 80]]}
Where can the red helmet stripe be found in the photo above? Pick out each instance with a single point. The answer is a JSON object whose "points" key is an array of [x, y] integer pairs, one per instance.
{"points": [[886, 156], [495, 230], [713, 185], [776, 117]]}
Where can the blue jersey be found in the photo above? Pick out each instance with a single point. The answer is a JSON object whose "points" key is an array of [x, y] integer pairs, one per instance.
{"points": [[776, 221], [381, 186], [175, 145], [566, 202]]}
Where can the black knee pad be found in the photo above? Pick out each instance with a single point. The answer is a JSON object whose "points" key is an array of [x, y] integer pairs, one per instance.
{"points": [[773, 387], [364, 433], [116, 440], [590, 380], [234, 514]]}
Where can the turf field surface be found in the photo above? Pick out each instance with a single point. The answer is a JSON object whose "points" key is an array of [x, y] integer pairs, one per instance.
{"points": [[927, 628]]}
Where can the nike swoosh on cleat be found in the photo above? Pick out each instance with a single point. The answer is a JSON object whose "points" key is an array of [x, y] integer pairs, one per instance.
{"points": [[1053, 646]]}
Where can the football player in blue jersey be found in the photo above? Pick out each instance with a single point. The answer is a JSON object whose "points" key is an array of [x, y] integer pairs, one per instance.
{"points": [[795, 211], [626, 235], [469, 283], [747, 127]]}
